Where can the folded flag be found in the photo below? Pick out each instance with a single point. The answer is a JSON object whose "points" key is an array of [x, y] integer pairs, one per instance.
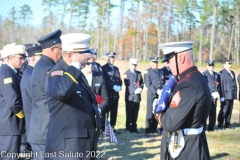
{"points": [[110, 133], [163, 102]]}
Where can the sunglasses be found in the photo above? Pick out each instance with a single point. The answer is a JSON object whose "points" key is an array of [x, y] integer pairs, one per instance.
{"points": [[88, 63]]}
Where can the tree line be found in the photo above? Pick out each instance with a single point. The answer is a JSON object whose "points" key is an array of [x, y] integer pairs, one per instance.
{"points": [[212, 25]]}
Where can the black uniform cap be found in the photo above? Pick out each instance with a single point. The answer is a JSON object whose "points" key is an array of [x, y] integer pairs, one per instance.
{"points": [[111, 54], [210, 62], [95, 50], [34, 50], [229, 61], [50, 39], [153, 59]]}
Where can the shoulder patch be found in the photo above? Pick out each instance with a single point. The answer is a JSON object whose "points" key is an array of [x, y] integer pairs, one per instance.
{"points": [[146, 72], [7, 80], [175, 100], [57, 73]]}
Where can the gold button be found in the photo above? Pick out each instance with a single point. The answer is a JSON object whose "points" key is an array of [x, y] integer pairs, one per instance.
{"points": [[96, 129], [95, 116]]}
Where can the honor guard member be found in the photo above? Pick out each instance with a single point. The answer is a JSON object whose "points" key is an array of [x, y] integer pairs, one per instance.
{"points": [[134, 85], [228, 92], [239, 87], [34, 53], [74, 123], [97, 68], [114, 85], [97, 84], [183, 136], [4, 55], [51, 45], [154, 81], [213, 84], [166, 72], [11, 107]]}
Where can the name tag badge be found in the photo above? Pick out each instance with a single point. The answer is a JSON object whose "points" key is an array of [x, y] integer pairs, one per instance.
{"points": [[97, 84]]}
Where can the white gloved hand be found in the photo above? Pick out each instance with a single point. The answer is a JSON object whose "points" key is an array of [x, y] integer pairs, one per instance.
{"points": [[100, 111], [115, 88], [222, 99], [138, 91], [159, 92], [155, 102], [215, 95]]}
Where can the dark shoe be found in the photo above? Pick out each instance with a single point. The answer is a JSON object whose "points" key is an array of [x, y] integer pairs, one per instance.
{"points": [[116, 131], [148, 131], [229, 127], [210, 130], [220, 127], [155, 131], [128, 131], [136, 131]]}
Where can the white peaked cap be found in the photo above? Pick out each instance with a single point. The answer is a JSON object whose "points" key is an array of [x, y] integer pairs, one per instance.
{"points": [[75, 42]]}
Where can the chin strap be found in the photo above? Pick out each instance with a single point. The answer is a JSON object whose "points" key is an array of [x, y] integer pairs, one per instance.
{"points": [[177, 66]]}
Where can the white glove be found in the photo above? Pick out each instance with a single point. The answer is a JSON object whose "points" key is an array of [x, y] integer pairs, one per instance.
{"points": [[222, 99], [115, 88], [155, 102], [138, 91], [159, 92], [100, 111], [215, 95]]}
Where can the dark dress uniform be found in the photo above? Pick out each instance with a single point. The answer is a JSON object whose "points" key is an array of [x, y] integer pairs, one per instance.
{"points": [[97, 68], [99, 88], [213, 84], [112, 77], [74, 123], [228, 90], [154, 80], [40, 114], [132, 80], [189, 108], [239, 87], [26, 96], [167, 73], [12, 121]]}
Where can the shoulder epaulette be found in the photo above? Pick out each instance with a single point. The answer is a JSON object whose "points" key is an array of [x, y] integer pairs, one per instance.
{"points": [[7, 80]]}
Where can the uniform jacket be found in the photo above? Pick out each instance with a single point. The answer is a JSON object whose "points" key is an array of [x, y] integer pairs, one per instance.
{"points": [[74, 122], [26, 95], [97, 68], [154, 80], [132, 82], [239, 87], [99, 88], [212, 80], [10, 101], [228, 86], [167, 73], [112, 77], [40, 115], [189, 107]]}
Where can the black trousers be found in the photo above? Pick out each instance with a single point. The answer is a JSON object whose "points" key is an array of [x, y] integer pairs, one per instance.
{"points": [[112, 108], [132, 109], [9, 144], [225, 113], [212, 115], [151, 122]]}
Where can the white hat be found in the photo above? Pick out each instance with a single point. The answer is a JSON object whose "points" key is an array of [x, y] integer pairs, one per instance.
{"points": [[76, 42], [13, 49], [170, 49], [133, 61]]}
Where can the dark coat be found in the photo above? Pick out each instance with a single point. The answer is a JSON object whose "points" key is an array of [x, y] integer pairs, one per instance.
{"points": [[189, 107], [97, 68], [167, 73], [132, 82], [40, 115], [112, 77], [99, 88], [212, 80], [10, 102], [228, 85], [74, 122], [26, 95], [154, 80]]}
